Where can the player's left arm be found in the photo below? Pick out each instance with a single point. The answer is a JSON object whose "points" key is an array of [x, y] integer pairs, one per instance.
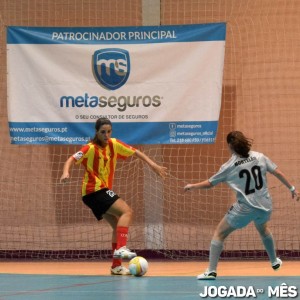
{"points": [[281, 177], [159, 170]]}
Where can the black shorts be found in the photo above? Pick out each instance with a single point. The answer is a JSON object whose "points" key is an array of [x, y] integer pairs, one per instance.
{"points": [[100, 201]]}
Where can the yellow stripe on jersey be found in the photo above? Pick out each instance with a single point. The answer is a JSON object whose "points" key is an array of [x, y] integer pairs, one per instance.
{"points": [[100, 163]]}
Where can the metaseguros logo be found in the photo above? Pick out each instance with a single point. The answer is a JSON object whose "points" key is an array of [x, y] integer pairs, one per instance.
{"points": [[121, 102], [111, 67]]}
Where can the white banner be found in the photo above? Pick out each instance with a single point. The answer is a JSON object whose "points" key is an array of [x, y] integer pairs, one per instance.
{"points": [[158, 85]]}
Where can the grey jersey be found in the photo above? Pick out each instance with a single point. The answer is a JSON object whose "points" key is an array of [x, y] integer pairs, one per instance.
{"points": [[247, 176]]}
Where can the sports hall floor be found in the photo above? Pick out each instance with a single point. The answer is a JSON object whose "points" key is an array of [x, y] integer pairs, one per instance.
{"points": [[170, 280]]}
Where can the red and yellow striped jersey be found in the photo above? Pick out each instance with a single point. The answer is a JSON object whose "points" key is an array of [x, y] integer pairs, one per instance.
{"points": [[100, 163]]}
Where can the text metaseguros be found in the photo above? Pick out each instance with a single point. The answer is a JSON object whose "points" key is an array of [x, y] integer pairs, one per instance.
{"points": [[120, 102]]}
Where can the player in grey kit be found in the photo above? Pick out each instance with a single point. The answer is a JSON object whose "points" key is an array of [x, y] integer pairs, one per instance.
{"points": [[245, 172]]}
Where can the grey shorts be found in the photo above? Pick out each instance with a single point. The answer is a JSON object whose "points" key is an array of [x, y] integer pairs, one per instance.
{"points": [[240, 215]]}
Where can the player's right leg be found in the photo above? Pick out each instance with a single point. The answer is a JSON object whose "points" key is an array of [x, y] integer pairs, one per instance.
{"points": [[216, 248]]}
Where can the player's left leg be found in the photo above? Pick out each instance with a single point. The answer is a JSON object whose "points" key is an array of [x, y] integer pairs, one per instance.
{"points": [[268, 241], [123, 213]]}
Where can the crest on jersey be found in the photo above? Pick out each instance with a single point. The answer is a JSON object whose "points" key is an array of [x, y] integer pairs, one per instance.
{"points": [[78, 155], [111, 67]]}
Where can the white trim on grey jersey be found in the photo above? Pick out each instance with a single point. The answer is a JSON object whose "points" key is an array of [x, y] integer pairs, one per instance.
{"points": [[247, 176]]}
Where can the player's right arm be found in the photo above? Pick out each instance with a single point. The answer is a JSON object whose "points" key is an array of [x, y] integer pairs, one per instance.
{"points": [[66, 170], [200, 185], [220, 176]]}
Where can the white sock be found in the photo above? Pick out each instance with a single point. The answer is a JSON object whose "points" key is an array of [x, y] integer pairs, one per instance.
{"points": [[268, 242], [216, 248]]}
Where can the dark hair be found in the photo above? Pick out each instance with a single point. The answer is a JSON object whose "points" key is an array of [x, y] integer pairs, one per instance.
{"points": [[240, 144], [99, 123], [102, 121]]}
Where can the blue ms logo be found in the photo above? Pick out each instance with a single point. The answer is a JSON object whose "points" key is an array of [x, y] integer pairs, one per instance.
{"points": [[111, 67]]}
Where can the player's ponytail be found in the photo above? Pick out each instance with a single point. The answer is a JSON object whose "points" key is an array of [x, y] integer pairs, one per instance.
{"points": [[240, 144]]}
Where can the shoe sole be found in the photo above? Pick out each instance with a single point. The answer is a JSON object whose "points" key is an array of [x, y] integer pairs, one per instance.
{"points": [[277, 266], [125, 257], [122, 272], [209, 277], [119, 274]]}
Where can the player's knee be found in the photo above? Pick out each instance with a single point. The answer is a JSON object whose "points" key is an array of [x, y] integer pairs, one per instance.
{"points": [[264, 233], [129, 212], [220, 236], [263, 230]]}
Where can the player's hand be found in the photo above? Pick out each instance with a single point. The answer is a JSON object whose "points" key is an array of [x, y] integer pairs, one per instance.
{"points": [[161, 171], [188, 187], [64, 178], [295, 195]]}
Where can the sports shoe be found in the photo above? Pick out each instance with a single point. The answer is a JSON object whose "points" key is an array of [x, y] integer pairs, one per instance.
{"points": [[277, 264], [124, 252], [207, 276], [119, 270]]}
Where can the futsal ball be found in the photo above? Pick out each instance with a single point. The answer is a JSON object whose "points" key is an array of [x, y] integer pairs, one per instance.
{"points": [[138, 266]]}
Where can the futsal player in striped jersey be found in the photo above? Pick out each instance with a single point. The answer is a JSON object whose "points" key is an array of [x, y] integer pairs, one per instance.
{"points": [[245, 172], [99, 158]]}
